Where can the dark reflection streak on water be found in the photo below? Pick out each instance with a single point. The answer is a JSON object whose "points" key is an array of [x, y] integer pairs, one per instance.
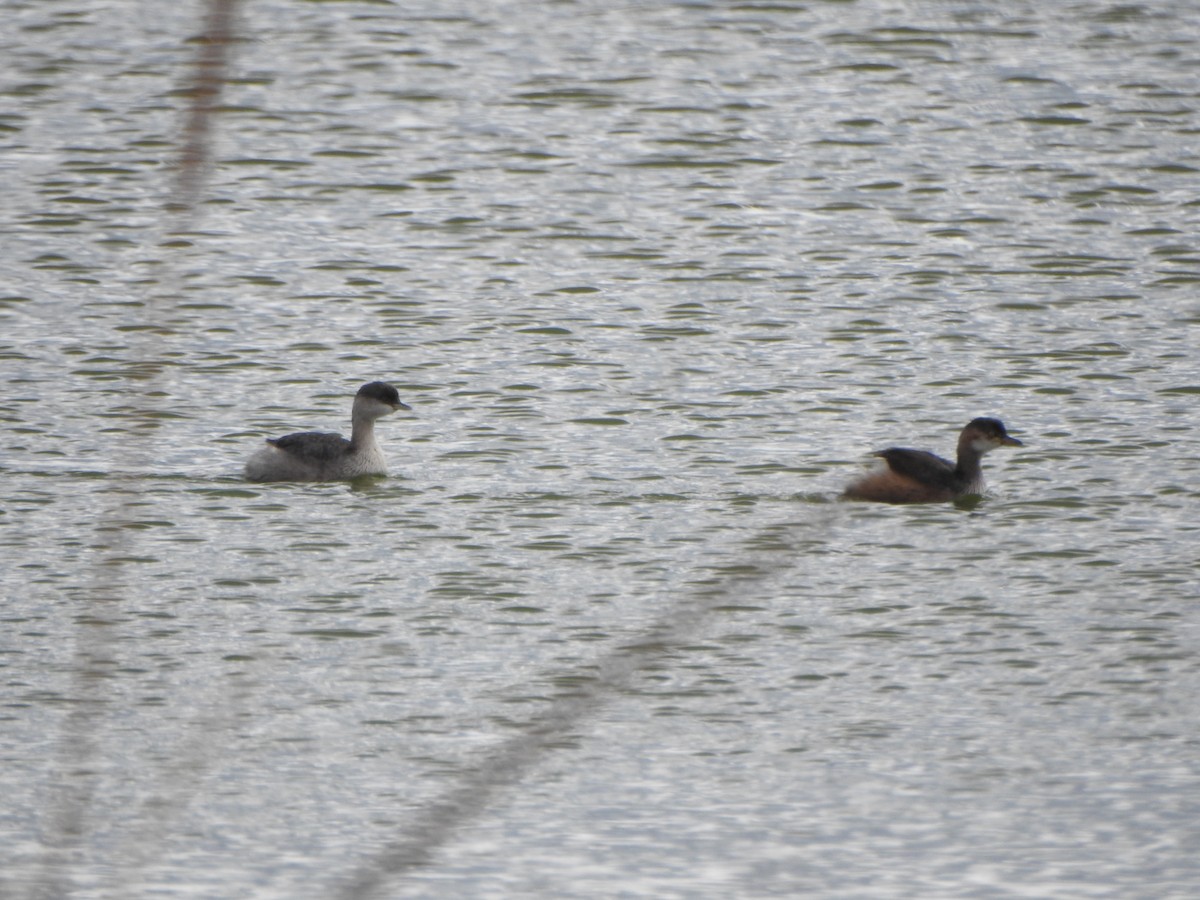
{"points": [[179, 780], [204, 93], [176, 784], [80, 753], [437, 824]]}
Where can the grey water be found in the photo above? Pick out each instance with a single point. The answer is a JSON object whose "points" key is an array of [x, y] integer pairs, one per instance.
{"points": [[655, 278]]}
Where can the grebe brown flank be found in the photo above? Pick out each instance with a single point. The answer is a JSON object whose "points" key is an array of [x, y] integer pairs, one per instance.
{"points": [[317, 456], [916, 476]]}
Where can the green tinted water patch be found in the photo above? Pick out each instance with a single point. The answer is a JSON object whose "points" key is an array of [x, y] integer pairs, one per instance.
{"points": [[671, 332], [587, 97], [335, 634], [550, 330], [601, 421]]}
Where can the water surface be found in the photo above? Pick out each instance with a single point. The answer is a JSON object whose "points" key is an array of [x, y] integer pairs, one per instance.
{"points": [[655, 279]]}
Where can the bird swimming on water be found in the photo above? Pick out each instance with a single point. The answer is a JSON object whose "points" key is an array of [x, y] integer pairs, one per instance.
{"points": [[317, 456], [917, 476]]}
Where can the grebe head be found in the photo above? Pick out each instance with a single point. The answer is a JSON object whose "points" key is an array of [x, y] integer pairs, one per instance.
{"points": [[983, 435], [377, 399]]}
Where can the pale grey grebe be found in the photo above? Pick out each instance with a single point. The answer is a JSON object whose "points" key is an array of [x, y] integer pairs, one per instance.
{"points": [[316, 456], [915, 476]]}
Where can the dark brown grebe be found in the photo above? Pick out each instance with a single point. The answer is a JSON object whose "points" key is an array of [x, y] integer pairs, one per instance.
{"points": [[915, 476]]}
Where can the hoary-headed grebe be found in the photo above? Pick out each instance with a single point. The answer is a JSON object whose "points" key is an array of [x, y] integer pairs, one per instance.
{"points": [[316, 456], [915, 476]]}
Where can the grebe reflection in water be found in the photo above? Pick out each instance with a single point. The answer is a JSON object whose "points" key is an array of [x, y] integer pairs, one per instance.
{"points": [[317, 456], [916, 476]]}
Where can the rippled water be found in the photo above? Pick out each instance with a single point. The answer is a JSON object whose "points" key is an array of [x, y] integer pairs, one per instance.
{"points": [[655, 279]]}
